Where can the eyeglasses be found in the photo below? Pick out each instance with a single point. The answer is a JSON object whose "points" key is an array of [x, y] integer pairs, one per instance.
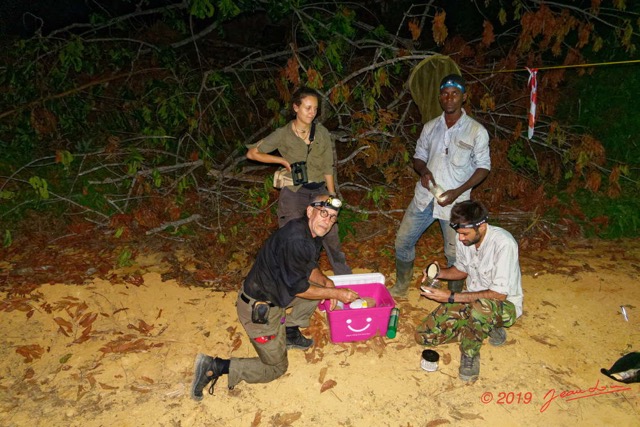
{"points": [[325, 214], [455, 226]]}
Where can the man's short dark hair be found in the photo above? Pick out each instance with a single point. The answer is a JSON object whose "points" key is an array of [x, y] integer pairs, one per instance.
{"points": [[468, 212]]}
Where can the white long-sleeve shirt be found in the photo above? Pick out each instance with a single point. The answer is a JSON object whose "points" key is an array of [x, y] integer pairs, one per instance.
{"points": [[493, 266], [452, 155]]}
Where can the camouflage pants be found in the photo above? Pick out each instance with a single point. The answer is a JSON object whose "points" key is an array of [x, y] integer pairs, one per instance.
{"points": [[469, 323]]}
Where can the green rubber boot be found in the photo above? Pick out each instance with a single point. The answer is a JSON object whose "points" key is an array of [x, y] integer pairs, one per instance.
{"points": [[404, 274]]}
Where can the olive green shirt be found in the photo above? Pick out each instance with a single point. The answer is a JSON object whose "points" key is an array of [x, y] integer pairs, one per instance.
{"points": [[318, 154]]}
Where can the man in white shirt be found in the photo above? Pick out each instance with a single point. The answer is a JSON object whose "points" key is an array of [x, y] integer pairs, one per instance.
{"points": [[452, 157], [487, 257]]}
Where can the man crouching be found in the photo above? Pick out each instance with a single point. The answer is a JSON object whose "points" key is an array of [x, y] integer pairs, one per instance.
{"points": [[487, 257]]}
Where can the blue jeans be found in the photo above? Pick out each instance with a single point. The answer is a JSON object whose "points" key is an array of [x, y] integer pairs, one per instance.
{"points": [[413, 225]]}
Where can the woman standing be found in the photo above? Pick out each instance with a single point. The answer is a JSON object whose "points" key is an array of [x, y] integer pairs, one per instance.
{"points": [[307, 147]]}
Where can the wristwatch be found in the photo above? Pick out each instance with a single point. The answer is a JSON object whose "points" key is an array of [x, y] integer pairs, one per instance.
{"points": [[451, 297]]}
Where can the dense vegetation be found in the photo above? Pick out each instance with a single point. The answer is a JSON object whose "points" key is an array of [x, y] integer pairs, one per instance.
{"points": [[136, 118]]}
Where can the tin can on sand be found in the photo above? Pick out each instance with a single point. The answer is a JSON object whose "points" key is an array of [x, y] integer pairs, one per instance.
{"points": [[429, 360]]}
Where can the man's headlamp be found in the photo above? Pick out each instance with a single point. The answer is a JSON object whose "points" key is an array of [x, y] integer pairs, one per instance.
{"points": [[453, 83], [455, 226], [331, 203]]}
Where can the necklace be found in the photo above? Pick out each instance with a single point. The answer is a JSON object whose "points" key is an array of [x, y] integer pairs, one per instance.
{"points": [[301, 133]]}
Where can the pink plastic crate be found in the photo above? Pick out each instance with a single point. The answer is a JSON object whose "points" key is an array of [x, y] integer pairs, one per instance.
{"points": [[360, 324]]}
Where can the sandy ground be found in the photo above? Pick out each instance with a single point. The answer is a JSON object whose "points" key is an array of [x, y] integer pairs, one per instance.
{"points": [[122, 355]]}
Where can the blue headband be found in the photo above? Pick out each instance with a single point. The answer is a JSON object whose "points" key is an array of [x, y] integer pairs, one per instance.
{"points": [[452, 83]]}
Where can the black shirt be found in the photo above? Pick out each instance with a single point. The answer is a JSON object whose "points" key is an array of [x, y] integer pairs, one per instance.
{"points": [[284, 263]]}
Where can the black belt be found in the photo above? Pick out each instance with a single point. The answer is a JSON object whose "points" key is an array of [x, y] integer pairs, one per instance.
{"points": [[313, 185], [246, 298]]}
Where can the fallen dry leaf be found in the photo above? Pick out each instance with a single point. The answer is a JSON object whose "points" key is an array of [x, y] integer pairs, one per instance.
{"points": [[327, 385], [323, 373], [143, 327], [87, 319], [107, 386], [446, 358], [140, 389], [134, 279], [30, 352], [237, 342], [29, 373], [285, 420], [437, 422], [66, 327], [125, 345], [257, 419]]}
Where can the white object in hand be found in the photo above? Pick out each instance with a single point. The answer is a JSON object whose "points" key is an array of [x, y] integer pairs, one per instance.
{"points": [[437, 191]]}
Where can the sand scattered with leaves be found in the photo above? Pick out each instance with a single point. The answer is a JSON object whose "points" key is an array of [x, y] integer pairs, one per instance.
{"points": [[106, 354]]}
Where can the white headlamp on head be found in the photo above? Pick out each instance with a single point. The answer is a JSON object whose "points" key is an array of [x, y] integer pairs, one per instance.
{"points": [[456, 226], [331, 203]]}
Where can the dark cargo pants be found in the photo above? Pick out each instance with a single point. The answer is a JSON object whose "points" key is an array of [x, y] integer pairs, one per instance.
{"points": [[272, 361]]}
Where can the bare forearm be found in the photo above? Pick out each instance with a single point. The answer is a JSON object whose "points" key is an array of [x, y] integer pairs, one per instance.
{"points": [[331, 186], [420, 167], [443, 295], [451, 273], [318, 278], [323, 288], [254, 154], [467, 297], [478, 176]]}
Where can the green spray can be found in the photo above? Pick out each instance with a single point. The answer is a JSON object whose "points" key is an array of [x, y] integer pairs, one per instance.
{"points": [[393, 323]]}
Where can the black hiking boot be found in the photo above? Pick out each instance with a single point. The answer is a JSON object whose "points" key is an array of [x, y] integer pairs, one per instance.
{"points": [[295, 339], [469, 367], [205, 370], [497, 337]]}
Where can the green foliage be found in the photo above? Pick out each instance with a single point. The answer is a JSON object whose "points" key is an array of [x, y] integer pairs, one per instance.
{"points": [[347, 220], [377, 195], [123, 115], [118, 232], [71, 55], [259, 197], [124, 258], [610, 218], [521, 157], [601, 102], [40, 186], [7, 239], [202, 8]]}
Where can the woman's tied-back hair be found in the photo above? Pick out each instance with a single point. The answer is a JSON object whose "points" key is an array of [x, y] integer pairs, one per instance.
{"points": [[468, 212], [301, 93]]}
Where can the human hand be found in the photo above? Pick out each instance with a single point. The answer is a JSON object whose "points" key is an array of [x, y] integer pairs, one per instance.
{"points": [[435, 294], [427, 180], [448, 197], [431, 271], [346, 295]]}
